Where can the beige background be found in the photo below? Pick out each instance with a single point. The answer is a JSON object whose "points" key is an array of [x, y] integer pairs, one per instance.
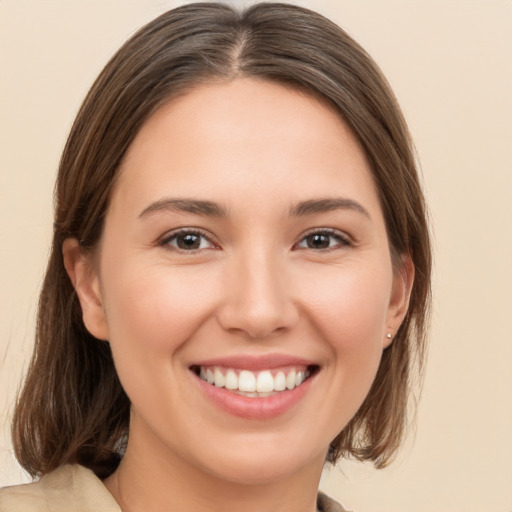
{"points": [[450, 63]]}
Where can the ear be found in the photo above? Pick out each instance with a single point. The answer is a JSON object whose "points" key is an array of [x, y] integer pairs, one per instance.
{"points": [[86, 282], [403, 280]]}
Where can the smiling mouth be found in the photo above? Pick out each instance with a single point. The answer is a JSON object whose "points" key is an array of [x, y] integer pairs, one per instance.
{"points": [[255, 384]]}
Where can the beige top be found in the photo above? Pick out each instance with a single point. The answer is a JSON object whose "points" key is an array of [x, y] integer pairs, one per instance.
{"points": [[78, 489]]}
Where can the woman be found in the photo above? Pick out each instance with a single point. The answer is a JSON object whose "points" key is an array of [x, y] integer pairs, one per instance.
{"points": [[239, 281]]}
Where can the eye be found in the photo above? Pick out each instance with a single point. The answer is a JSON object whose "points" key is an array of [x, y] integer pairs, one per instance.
{"points": [[324, 239], [188, 240]]}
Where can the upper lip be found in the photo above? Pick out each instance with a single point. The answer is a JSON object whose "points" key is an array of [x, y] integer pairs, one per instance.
{"points": [[256, 362]]}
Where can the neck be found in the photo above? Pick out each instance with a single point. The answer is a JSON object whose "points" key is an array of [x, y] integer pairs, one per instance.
{"points": [[160, 481]]}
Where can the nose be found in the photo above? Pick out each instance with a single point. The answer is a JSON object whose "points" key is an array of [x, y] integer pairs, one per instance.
{"points": [[258, 301]]}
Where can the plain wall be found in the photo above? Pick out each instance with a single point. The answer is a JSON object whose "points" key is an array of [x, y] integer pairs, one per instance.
{"points": [[450, 64]]}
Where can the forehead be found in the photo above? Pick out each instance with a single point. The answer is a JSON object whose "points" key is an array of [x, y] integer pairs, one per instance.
{"points": [[238, 138]]}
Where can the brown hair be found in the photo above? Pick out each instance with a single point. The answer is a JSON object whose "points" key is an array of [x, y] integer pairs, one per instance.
{"points": [[72, 407]]}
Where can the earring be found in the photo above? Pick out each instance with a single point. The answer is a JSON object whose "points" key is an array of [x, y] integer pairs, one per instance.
{"points": [[388, 336]]}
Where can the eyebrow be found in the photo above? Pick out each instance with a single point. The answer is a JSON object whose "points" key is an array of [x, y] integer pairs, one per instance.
{"points": [[212, 209], [195, 206], [313, 206]]}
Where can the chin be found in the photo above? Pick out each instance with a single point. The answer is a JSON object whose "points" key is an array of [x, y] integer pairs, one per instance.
{"points": [[266, 464]]}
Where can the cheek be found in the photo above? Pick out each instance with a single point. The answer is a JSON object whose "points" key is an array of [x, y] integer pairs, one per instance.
{"points": [[350, 311], [352, 303], [152, 311], [154, 308]]}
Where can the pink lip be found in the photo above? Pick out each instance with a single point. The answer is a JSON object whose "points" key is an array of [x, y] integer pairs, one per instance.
{"points": [[263, 408], [254, 408], [256, 362]]}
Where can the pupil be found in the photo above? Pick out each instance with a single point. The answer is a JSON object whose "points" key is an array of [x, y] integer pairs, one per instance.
{"points": [[318, 241], [189, 241]]}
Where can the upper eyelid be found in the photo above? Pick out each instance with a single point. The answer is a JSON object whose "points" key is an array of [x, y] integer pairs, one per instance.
{"points": [[330, 231], [346, 240], [184, 230], [208, 236]]}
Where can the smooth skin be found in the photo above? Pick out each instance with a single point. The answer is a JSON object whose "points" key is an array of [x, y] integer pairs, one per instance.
{"points": [[257, 272]]}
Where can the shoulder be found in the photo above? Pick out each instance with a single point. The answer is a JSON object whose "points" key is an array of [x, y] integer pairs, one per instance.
{"points": [[73, 487], [70, 487], [326, 504]]}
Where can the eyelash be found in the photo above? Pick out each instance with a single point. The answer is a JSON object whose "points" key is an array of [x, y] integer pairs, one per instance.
{"points": [[342, 240], [174, 236]]}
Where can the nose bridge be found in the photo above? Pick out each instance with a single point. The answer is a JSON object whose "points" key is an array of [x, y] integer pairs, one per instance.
{"points": [[258, 300]]}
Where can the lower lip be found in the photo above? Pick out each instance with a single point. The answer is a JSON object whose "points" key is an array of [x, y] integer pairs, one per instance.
{"points": [[254, 408]]}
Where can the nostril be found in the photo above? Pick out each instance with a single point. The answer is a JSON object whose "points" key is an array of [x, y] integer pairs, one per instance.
{"points": [[258, 310]]}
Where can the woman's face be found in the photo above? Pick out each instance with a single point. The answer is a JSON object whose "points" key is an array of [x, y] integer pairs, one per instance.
{"points": [[244, 249]]}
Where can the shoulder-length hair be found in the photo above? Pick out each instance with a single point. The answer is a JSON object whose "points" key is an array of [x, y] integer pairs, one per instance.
{"points": [[72, 408]]}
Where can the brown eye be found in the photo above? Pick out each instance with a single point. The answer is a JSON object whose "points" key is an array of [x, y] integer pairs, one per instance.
{"points": [[188, 241], [318, 241], [322, 240]]}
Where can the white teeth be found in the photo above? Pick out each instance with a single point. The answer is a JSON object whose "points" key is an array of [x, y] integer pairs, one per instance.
{"points": [[219, 378], [265, 382], [253, 384], [246, 381], [290, 380], [231, 380], [279, 382]]}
